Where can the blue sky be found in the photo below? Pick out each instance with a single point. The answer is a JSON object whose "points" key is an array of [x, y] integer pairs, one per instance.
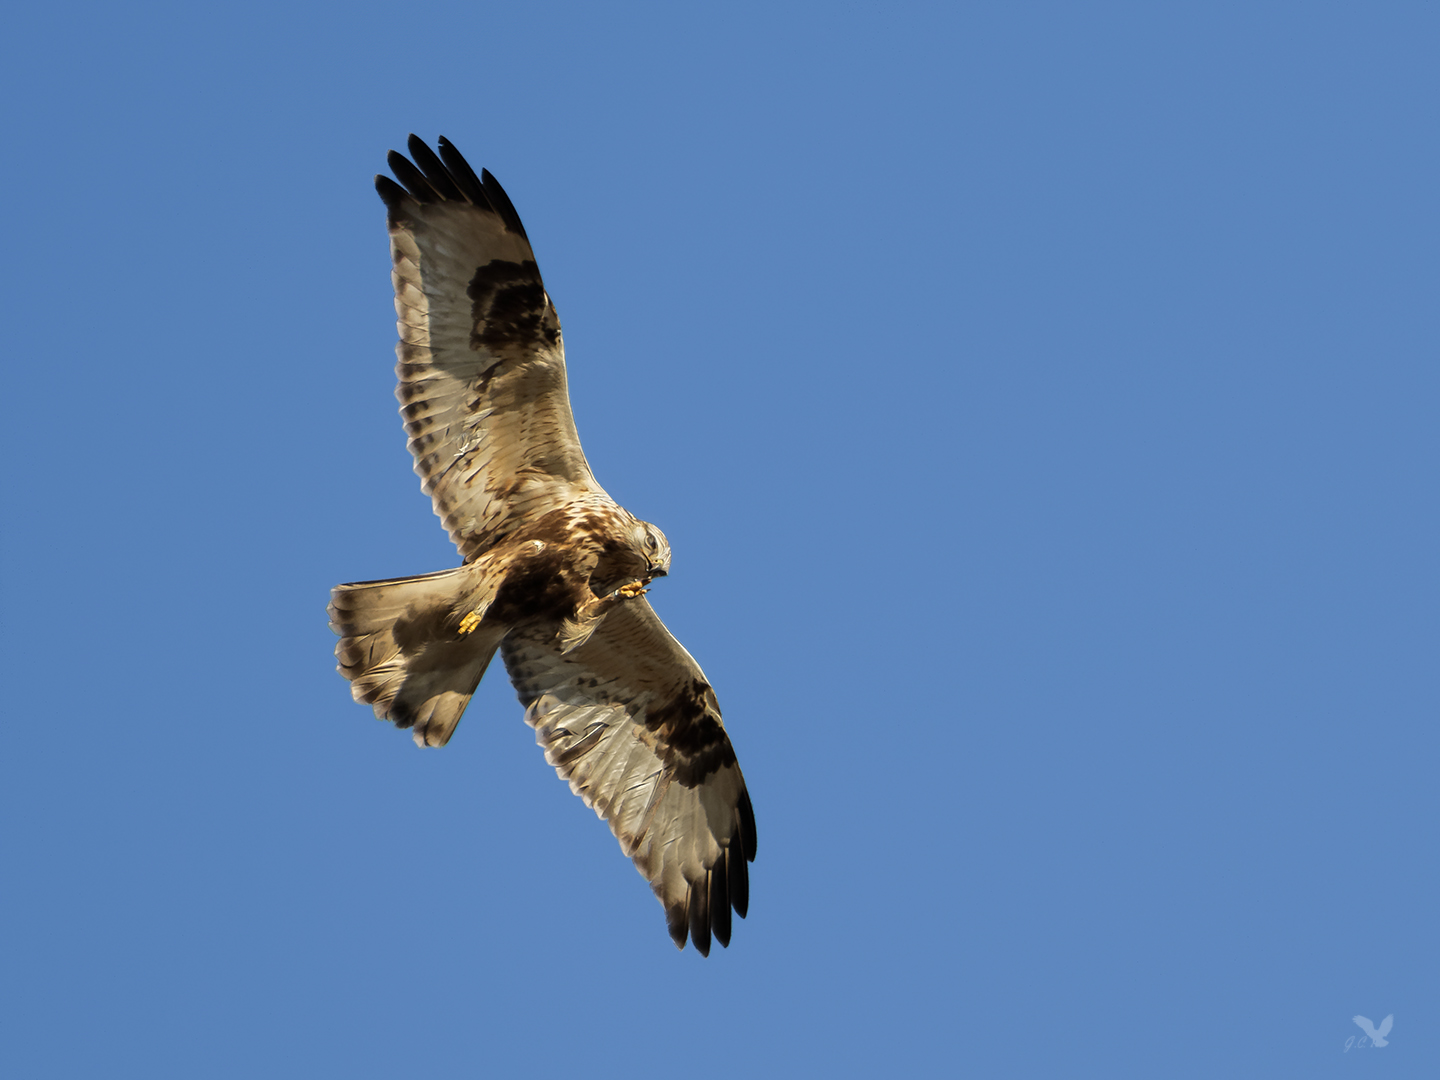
{"points": [[1040, 400]]}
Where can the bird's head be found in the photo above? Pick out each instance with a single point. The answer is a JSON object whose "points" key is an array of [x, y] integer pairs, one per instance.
{"points": [[650, 542]]}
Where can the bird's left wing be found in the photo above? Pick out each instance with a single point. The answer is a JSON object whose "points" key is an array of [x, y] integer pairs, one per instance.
{"points": [[630, 721]]}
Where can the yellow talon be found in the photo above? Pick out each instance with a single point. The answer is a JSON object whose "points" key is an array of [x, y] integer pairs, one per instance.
{"points": [[471, 621], [632, 590]]}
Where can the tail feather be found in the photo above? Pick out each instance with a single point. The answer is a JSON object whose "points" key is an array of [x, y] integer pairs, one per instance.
{"points": [[403, 651]]}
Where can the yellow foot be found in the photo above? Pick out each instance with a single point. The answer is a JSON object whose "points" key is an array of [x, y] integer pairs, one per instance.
{"points": [[634, 589], [471, 621]]}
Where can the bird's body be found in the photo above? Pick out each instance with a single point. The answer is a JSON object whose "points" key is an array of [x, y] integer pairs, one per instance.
{"points": [[554, 572]]}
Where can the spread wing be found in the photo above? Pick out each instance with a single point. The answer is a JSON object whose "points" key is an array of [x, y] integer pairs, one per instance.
{"points": [[481, 360], [629, 720]]}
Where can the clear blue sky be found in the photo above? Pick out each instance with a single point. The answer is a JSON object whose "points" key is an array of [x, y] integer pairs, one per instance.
{"points": [[1040, 399]]}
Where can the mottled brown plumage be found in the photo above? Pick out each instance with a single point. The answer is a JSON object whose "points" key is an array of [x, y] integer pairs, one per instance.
{"points": [[553, 573]]}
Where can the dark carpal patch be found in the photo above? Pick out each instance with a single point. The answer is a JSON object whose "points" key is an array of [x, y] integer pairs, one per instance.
{"points": [[685, 718], [694, 743], [509, 306]]}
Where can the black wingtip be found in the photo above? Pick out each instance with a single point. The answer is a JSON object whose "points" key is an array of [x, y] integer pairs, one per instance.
{"points": [[738, 875], [447, 177], [700, 915], [411, 178], [503, 206], [747, 824], [720, 903], [677, 924], [463, 174], [390, 192], [434, 170]]}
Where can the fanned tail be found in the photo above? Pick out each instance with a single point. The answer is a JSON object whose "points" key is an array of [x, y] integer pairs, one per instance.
{"points": [[409, 651]]}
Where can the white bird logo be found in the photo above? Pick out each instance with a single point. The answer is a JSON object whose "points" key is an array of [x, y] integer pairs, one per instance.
{"points": [[1377, 1035]]}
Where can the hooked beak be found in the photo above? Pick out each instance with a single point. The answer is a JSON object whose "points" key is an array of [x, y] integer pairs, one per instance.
{"points": [[658, 571]]}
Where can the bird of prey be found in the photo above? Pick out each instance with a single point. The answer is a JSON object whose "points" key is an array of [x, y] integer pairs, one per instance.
{"points": [[554, 573], [1377, 1035]]}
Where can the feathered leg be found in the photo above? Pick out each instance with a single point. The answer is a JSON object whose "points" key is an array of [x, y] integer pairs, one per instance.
{"points": [[575, 632]]}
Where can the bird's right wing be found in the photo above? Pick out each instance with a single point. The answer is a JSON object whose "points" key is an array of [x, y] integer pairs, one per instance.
{"points": [[481, 360]]}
